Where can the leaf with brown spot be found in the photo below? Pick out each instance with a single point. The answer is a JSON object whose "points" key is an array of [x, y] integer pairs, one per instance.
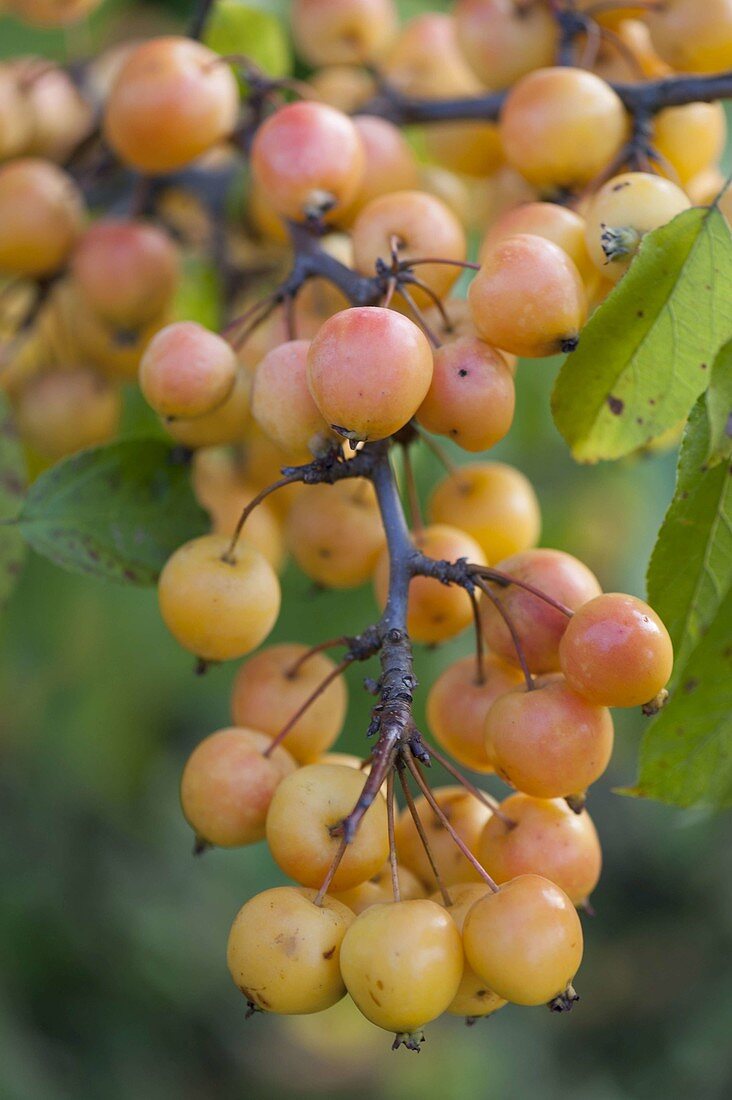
{"points": [[642, 348], [117, 511]]}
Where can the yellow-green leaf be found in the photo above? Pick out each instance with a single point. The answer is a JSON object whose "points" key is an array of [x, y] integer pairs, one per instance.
{"points": [[234, 28], [686, 755], [690, 572], [719, 407], [646, 354]]}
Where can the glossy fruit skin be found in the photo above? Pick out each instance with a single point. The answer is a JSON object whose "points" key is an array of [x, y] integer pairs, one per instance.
{"points": [[426, 62], [472, 396], [633, 203], [691, 138], [402, 963], [389, 163], [62, 411], [266, 694], [549, 742], [41, 215], [187, 371], [60, 116], [693, 37], [548, 838], [345, 87], [16, 116], [457, 706], [115, 351], [467, 815], [227, 423], [127, 271], [379, 890], [172, 100], [423, 225], [435, 611], [221, 489], [284, 952], [466, 148], [525, 941], [369, 369], [342, 32], [558, 224], [282, 404], [617, 652], [307, 156], [528, 297], [560, 127], [495, 503], [216, 609], [539, 625], [228, 783], [305, 807], [473, 997], [335, 534], [503, 43]]}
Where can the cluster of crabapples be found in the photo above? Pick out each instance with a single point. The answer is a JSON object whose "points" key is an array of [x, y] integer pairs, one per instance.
{"points": [[463, 903], [89, 298]]}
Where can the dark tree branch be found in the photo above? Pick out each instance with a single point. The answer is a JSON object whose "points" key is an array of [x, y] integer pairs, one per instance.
{"points": [[643, 98]]}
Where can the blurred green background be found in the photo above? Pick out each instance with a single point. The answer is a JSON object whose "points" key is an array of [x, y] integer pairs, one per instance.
{"points": [[113, 981]]}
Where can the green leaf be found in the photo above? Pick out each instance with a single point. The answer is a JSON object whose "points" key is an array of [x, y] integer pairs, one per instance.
{"points": [[117, 511], [645, 355], [234, 28], [686, 755], [719, 407], [198, 297], [12, 488], [690, 572]]}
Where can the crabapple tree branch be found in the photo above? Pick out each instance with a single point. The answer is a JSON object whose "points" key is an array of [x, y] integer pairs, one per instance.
{"points": [[643, 98]]}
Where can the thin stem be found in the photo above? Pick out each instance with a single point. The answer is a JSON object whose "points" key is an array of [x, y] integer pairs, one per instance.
{"points": [[479, 647], [439, 452], [419, 316], [253, 503], [512, 631], [422, 835], [340, 852], [505, 579], [627, 55], [315, 694], [392, 843], [249, 314], [446, 823], [290, 317], [487, 799], [406, 265], [427, 289], [331, 643]]}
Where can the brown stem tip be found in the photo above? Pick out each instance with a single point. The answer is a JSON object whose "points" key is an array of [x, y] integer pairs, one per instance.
{"points": [[411, 1040], [566, 1001]]}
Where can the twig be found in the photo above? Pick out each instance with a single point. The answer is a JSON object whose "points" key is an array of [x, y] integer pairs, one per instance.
{"points": [[446, 823], [393, 865], [422, 835], [512, 630]]}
